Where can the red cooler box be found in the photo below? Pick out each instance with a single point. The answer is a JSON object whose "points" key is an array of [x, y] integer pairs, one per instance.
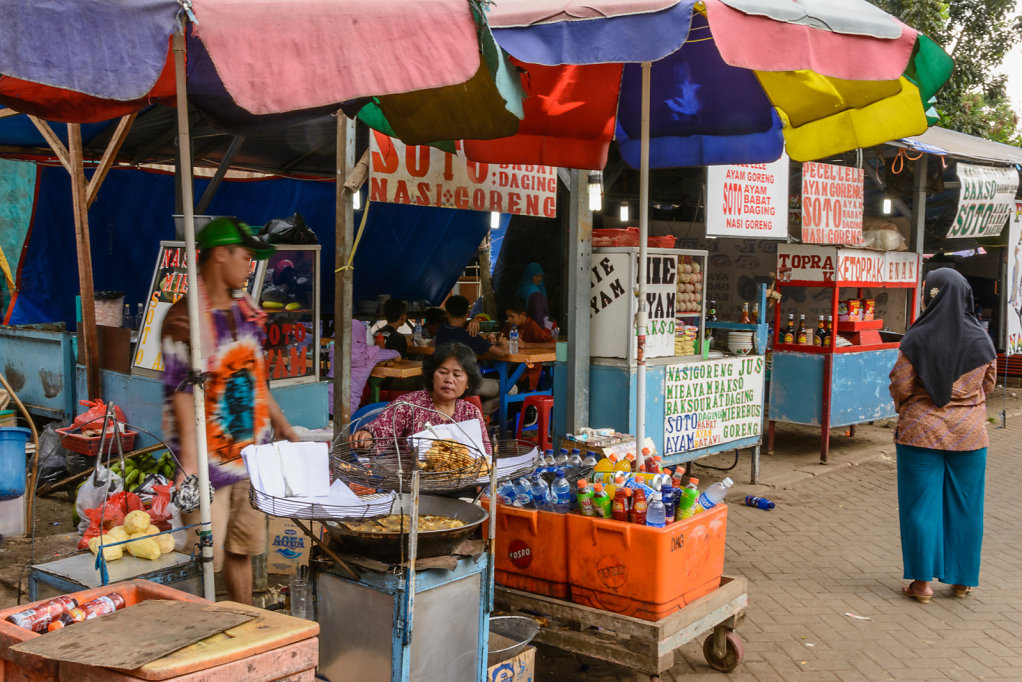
{"points": [[531, 552], [641, 571]]}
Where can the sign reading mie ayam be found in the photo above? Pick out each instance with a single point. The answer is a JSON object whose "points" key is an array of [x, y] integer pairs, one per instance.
{"points": [[986, 201], [426, 176]]}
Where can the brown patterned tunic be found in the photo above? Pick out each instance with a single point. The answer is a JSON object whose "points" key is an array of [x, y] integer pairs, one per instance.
{"points": [[958, 426]]}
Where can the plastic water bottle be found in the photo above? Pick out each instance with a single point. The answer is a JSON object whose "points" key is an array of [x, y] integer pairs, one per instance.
{"points": [[512, 340], [417, 338], [656, 514], [590, 459], [585, 498], [562, 458], [575, 460], [523, 493], [541, 493], [713, 495], [760, 502], [561, 491], [548, 458], [667, 498], [506, 493], [555, 332]]}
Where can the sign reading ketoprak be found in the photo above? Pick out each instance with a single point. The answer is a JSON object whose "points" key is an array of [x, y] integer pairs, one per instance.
{"points": [[426, 176], [986, 201], [831, 204]]}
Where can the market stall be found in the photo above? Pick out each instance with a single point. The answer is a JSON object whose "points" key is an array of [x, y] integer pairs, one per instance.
{"points": [[843, 380]]}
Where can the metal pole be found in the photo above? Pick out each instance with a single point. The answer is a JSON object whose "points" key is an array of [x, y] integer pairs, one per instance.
{"points": [[195, 338], [345, 236], [580, 260], [642, 316]]}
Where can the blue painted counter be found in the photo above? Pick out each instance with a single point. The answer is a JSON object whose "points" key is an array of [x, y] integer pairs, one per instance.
{"points": [[858, 387], [38, 363]]}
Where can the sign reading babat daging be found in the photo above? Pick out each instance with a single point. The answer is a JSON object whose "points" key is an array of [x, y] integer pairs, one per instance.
{"points": [[832, 198], [427, 176], [709, 403], [986, 201]]}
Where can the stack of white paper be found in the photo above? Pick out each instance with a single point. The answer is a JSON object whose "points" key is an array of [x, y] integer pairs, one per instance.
{"points": [[509, 465]]}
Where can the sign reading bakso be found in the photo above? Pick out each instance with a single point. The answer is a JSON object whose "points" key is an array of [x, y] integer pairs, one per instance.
{"points": [[986, 201]]}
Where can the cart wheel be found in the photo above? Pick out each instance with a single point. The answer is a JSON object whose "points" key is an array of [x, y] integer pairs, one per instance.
{"points": [[734, 652]]}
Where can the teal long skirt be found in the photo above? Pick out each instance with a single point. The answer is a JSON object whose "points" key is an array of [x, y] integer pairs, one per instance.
{"points": [[940, 506]]}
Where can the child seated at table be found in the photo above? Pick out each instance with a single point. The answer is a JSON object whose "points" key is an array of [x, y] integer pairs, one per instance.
{"points": [[530, 333]]}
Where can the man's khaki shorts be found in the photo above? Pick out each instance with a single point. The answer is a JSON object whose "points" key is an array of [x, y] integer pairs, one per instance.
{"points": [[238, 528]]}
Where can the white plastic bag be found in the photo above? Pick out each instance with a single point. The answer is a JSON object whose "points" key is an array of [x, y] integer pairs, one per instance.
{"points": [[93, 492]]}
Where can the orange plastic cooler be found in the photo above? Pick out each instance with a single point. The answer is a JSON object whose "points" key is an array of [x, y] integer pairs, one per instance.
{"points": [[641, 571], [531, 551]]}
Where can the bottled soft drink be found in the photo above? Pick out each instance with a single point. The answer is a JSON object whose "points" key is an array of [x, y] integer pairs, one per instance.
{"points": [[512, 340], [601, 502], [561, 493], [36, 619], [624, 463], [100, 606], [619, 508], [561, 458], [667, 499], [686, 507], [603, 467], [656, 513], [506, 493], [639, 507], [760, 502], [575, 459], [713, 495], [523, 493], [541, 493], [693, 483], [585, 498], [590, 459]]}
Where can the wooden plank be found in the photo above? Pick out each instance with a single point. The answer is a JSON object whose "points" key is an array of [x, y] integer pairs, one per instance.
{"points": [[730, 589], [6, 113], [703, 624], [605, 649], [575, 613], [143, 633], [87, 335], [51, 139], [109, 154], [400, 369]]}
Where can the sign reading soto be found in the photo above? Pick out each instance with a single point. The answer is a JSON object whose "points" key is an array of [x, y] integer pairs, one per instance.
{"points": [[748, 200], [986, 201], [831, 204]]}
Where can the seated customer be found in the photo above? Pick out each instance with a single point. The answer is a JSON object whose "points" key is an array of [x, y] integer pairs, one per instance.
{"points": [[530, 333], [450, 374], [455, 330], [395, 310], [432, 320]]}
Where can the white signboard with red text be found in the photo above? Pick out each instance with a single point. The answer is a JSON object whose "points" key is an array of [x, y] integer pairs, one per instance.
{"points": [[986, 201], [426, 176], [860, 267], [1013, 301], [748, 200], [832, 198]]}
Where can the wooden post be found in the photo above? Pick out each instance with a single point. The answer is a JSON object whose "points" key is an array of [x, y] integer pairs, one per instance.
{"points": [[580, 256], [345, 234], [87, 331], [485, 281]]}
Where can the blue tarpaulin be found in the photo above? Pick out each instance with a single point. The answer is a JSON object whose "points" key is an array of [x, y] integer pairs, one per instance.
{"points": [[407, 252]]}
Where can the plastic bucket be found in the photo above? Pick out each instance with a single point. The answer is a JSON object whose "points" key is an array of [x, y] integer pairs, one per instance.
{"points": [[12, 462]]}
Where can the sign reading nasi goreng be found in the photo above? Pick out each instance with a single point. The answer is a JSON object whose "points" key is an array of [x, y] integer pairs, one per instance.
{"points": [[426, 176], [831, 204], [714, 402], [801, 263], [986, 201], [748, 200]]}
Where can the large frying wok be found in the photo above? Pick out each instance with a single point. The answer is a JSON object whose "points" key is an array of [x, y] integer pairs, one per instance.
{"points": [[387, 546]]}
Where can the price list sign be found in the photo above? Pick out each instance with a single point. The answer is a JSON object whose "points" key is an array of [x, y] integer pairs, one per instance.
{"points": [[831, 204]]}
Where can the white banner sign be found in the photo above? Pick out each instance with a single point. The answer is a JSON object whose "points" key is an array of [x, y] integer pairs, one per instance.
{"points": [[612, 304], [1013, 316], [713, 402], [426, 176], [831, 204], [800, 263], [748, 200], [986, 200]]}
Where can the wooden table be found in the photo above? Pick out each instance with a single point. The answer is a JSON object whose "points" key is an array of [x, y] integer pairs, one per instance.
{"points": [[395, 369]]}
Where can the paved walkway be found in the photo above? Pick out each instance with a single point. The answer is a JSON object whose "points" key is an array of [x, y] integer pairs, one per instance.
{"points": [[831, 548]]}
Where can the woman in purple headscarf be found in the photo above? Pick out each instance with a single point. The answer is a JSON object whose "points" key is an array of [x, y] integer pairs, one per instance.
{"points": [[364, 356]]}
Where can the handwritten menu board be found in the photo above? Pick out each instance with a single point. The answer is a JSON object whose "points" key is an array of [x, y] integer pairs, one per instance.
{"points": [[713, 402], [170, 283]]}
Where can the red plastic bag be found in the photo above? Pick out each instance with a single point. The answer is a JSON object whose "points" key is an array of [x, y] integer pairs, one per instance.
{"points": [[160, 512], [111, 514], [91, 421]]}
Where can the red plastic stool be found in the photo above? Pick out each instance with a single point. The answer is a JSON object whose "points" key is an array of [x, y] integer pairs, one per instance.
{"points": [[544, 404]]}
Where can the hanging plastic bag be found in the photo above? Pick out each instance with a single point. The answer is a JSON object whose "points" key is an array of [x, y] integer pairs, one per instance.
{"points": [[101, 484], [291, 230], [108, 514], [90, 422], [160, 512]]}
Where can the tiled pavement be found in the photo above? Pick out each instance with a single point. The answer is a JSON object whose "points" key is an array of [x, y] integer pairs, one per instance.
{"points": [[831, 548]]}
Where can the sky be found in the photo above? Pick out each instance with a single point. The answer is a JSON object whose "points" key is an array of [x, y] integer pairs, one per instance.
{"points": [[1012, 66]]}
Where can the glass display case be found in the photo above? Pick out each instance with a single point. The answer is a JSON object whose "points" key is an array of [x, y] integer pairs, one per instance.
{"points": [[289, 295]]}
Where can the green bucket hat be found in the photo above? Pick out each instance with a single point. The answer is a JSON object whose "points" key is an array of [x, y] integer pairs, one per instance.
{"points": [[225, 231]]}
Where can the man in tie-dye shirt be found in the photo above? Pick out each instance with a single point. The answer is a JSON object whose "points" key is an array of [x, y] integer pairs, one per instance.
{"points": [[239, 408]]}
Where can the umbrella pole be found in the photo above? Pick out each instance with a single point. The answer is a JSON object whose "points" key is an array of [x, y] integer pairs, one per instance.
{"points": [[195, 338], [642, 316]]}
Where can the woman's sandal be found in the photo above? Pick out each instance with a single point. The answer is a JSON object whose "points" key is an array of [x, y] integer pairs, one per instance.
{"points": [[961, 591], [921, 598]]}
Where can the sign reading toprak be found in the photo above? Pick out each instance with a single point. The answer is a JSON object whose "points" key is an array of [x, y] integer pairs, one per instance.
{"points": [[805, 263], [426, 176]]}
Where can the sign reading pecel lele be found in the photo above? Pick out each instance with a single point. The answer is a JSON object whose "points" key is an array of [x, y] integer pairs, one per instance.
{"points": [[426, 176], [801, 263], [748, 200], [986, 201], [831, 204], [714, 402]]}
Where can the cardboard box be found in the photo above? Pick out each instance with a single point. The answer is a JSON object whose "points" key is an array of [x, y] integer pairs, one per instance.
{"points": [[289, 546], [521, 668]]}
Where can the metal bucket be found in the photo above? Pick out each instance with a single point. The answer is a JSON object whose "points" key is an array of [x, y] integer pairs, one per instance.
{"points": [[515, 633], [12, 461]]}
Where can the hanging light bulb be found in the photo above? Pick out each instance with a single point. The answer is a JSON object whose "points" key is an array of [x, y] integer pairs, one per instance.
{"points": [[494, 221], [886, 209], [623, 214], [356, 200], [596, 190]]}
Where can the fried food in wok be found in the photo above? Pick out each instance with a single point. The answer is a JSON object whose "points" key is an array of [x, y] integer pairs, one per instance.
{"points": [[449, 455], [393, 523]]}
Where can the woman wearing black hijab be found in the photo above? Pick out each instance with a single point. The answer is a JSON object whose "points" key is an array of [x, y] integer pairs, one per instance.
{"points": [[939, 384]]}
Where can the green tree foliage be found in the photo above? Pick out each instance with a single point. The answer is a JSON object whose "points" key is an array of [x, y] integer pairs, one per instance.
{"points": [[977, 34]]}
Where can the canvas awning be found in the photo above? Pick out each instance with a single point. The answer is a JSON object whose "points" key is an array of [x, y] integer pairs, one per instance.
{"points": [[943, 142]]}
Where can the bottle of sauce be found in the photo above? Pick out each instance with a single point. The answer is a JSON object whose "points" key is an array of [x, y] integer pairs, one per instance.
{"points": [[789, 331], [802, 335], [821, 331], [755, 313], [829, 339], [36, 619], [619, 509], [745, 319], [711, 312], [100, 606], [638, 511]]}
